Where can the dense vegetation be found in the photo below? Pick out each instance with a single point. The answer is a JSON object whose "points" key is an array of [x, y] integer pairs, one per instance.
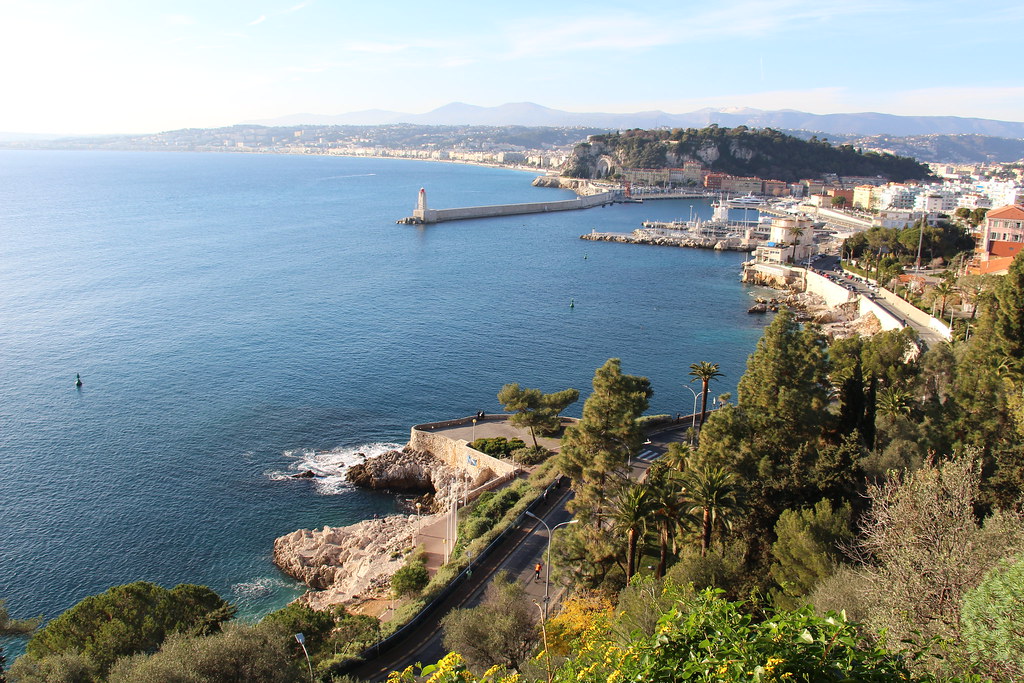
{"points": [[740, 151]]}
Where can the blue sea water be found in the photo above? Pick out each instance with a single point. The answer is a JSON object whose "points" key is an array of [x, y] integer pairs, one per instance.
{"points": [[239, 317]]}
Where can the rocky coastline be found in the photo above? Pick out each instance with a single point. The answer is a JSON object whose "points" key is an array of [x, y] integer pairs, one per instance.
{"points": [[350, 564], [837, 322]]}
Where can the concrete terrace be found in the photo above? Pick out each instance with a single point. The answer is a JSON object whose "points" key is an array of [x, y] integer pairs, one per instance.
{"points": [[490, 427]]}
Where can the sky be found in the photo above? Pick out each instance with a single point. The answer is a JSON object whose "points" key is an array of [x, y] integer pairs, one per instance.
{"points": [[139, 66]]}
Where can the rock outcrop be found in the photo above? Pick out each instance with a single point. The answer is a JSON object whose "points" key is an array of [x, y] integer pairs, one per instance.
{"points": [[411, 471], [348, 563]]}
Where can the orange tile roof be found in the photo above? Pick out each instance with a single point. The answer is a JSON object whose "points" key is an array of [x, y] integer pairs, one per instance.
{"points": [[1013, 212]]}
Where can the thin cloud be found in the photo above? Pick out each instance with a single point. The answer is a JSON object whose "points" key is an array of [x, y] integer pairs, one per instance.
{"points": [[296, 8], [631, 31], [259, 20]]}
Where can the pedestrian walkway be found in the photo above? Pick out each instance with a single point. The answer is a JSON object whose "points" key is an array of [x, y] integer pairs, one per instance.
{"points": [[432, 536], [648, 456]]}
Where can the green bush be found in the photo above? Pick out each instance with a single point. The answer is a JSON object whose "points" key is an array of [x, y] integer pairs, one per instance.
{"points": [[647, 421], [530, 455], [127, 619], [498, 447], [299, 618], [411, 578], [993, 616]]}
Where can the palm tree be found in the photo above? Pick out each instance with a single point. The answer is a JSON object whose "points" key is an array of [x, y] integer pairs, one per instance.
{"points": [[631, 511], [666, 501], [712, 493], [796, 231], [893, 402], [943, 290], [705, 372]]}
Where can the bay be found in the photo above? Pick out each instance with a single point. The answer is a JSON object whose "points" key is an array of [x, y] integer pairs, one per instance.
{"points": [[236, 318]]}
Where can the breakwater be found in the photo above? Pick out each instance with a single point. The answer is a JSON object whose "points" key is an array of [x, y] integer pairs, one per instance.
{"points": [[690, 242], [422, 214]]}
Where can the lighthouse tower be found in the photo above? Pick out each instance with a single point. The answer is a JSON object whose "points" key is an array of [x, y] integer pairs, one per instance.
{"points": [[422, 214]]}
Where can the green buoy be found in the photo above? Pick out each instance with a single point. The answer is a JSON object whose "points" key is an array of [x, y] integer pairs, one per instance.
{"points": [[78, 380], [572, 303]]}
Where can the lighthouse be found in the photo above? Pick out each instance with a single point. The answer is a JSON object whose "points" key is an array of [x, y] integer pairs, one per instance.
{"points": [[421, 201]]}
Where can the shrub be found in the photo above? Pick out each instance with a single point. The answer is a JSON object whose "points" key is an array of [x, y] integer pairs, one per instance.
{"points": [[498, 447], [993, 616], [530, 456], [299, 618], [647, 421], [411, 578], [126, 619]]}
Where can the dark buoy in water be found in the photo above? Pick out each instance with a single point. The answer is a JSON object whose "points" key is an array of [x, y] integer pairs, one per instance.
{"points": [[78, 381], [584, 257], [572, 303]]}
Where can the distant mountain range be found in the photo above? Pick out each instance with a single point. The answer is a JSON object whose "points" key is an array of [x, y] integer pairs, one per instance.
{"points": [[530, 114]]}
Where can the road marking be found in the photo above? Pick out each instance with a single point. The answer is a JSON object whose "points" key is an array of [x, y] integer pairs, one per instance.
{"points": [[648, 456]]}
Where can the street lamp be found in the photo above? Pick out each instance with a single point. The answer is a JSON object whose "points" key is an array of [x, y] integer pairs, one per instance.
{"points": [[301, 639], [547, 576], [693, 427], [544, 632], [474, 429]]}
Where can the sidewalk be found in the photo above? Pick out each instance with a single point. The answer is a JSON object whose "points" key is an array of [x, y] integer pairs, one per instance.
{"points": [[431, 536]]}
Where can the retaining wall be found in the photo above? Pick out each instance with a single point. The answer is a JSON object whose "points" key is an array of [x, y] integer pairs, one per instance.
{"points": [[911, 312], [458, 453], [834, 294]]}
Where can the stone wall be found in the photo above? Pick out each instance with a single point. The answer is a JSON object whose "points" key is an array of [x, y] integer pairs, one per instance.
{"points": [[457, 452]]}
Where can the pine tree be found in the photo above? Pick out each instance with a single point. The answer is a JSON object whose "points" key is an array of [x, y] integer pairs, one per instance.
{"points": [[595, 451]]}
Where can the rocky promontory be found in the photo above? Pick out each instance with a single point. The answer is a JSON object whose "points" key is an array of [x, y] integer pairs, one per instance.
{"points": [[347, 564], [343, 564], [409, 471]]}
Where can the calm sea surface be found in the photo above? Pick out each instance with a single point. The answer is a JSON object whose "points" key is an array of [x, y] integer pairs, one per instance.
{"points": [[238, 317]]}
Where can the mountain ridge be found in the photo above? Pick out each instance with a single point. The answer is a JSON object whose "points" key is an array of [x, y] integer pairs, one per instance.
{"points": [[532, 114]]}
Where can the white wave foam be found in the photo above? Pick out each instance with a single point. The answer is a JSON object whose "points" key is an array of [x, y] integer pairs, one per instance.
{"points": [[259, 587], [328, 467]]}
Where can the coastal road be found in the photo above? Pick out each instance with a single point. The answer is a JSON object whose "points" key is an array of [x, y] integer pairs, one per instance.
{"points": [[830, 265], [523, 548]]}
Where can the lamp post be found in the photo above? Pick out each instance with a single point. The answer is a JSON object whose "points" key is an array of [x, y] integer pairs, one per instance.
{"points": [[544, 632], [301, 639], [693, 427], [474, 429], [547, 556]]}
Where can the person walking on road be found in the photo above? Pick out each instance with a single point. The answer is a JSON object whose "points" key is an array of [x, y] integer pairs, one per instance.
{"points": [[536, 571]]}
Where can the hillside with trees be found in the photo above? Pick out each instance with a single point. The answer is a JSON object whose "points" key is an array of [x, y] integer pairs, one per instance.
{"points": [[740, 151]]}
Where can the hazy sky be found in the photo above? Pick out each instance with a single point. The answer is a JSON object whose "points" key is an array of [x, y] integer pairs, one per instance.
{"points": [[95, 66]]}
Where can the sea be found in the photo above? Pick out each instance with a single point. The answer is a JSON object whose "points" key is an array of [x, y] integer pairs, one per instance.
{"points": [[238, 318]]}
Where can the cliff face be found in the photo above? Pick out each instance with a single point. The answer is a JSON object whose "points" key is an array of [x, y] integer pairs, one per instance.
{"points": [[740, 151]]}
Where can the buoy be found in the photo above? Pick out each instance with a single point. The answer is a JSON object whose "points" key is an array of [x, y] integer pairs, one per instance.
{"points": [[572, 303], [584, 257], [78, 380]]}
